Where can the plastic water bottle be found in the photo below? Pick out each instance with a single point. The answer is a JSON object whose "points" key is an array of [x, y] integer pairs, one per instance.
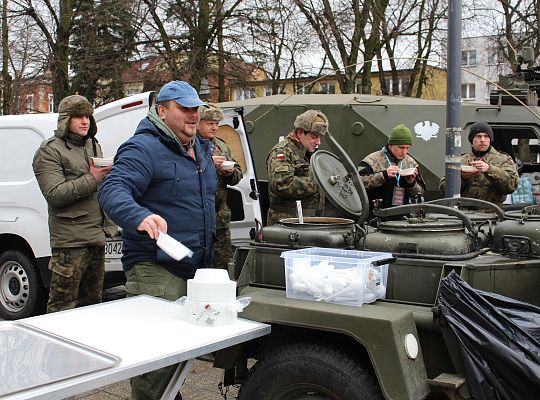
{"points": [[523, 193]]}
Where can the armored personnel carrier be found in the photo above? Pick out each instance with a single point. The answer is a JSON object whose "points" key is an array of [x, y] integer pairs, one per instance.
{"points": [[362, 124]]}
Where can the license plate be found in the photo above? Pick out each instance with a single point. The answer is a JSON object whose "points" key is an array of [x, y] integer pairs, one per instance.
{"points": [[113, 249]]}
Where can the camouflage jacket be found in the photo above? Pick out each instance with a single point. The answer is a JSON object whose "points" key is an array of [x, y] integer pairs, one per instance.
{"points": [[379, 185], [290, 177], [223, 212], [493, 186], [62, 168]]}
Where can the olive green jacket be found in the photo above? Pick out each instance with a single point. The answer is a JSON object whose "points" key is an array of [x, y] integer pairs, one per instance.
{"points": [[289, 179], [223, 212], [62, 168], [493, 186]]}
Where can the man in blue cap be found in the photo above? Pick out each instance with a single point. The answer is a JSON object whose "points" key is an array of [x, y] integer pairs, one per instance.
{"points": [[163, 181]]}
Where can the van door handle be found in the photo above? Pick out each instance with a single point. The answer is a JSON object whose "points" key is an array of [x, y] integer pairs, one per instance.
{"points": [[254, 193]]}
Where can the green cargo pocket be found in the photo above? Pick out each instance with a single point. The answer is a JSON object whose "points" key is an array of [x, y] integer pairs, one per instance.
{"points": [[66, 272], [137, 288], [282, 168]]}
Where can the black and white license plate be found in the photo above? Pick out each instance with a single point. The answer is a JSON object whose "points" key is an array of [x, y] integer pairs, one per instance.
{"points": [[113, 249]]}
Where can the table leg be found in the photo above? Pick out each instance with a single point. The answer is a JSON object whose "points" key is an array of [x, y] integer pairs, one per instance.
{"points": [[177, 380]]}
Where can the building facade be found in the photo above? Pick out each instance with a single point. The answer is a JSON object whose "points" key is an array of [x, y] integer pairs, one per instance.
{"points": [[482, 64], [434, 85]]}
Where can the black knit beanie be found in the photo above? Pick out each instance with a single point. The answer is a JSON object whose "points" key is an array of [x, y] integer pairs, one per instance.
{"points": [[480, 127]]}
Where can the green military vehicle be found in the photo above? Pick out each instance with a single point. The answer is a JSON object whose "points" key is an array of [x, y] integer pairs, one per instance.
{"points": [[400, 346], [362, 124]]}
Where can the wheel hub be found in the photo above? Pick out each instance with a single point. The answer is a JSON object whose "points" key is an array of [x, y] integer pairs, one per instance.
{"points": [[14, 286]]}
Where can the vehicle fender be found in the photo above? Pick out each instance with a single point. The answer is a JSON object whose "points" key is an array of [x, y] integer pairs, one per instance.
{"points": [[30, 225], [380, 329]]}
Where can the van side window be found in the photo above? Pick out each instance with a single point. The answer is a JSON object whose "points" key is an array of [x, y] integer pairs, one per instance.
{"points": [[231, 137], [234, 197]]}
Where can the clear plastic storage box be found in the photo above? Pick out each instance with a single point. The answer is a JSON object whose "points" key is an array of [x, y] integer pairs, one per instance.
{"points": [[335, 275]]}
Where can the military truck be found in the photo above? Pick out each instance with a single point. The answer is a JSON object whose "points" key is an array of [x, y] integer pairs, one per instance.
{"points": [[399, 347]]}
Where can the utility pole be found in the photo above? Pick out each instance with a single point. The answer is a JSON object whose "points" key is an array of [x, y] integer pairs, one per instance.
{"points": [[6, 78], [452, 160]]}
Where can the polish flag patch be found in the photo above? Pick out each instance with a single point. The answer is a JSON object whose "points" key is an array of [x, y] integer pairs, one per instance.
{"points": [[280, 156]]}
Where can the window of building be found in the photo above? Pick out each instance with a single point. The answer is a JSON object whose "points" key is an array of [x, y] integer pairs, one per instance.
{"points": [[327, 88], [50, 102], [468, 58], [489, 88], [130, 91], [468, 91], [388, 83], [301, 89], [358, 87], [268, 91], [493, 56], [403, 86], [30, 103], [244, 94], [205, 88]]}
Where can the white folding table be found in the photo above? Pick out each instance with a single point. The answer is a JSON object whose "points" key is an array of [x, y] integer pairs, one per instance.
{"points": [[144, 334]]}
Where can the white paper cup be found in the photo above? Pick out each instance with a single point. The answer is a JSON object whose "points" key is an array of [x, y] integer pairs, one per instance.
{"points": [[468, 168], [406, 171], [172, 247], [103, 162], [227, 165]]}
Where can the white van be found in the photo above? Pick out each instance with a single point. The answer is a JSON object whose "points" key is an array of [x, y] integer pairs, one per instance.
{"points": [[24, 234]]}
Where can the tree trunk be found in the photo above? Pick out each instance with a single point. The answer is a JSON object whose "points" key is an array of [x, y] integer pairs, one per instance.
{"points": [[6, 77]]}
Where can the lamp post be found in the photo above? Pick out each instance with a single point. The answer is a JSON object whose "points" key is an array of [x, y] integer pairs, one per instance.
{"points": [[452, 158]]}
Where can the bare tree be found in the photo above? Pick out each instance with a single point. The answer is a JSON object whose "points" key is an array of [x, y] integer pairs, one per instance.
{"points": [[185, 34], [55, 21], [408, 33], [512, 24], [342, 28], [27, 55], [277, 39], [6, 77]]}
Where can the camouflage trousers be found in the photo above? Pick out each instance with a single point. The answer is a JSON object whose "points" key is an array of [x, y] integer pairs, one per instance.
{"points": [[223, 250], [77, 277], [154, 280]]}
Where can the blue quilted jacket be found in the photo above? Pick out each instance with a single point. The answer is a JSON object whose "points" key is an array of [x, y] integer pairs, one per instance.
{"points": [[152, 174]]}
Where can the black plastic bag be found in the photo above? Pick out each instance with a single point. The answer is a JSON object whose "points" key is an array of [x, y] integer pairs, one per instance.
{"points": [[499, 340]]}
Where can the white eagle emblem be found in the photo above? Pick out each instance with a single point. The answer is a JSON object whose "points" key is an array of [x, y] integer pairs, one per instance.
{"points": [[426, 130]]}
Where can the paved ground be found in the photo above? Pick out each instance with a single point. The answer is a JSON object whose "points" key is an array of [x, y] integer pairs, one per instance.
{"points": [[201, 383]]}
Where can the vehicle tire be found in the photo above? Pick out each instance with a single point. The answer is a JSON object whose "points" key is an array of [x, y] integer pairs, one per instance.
{"points": [[21, 291], [310, 371]]}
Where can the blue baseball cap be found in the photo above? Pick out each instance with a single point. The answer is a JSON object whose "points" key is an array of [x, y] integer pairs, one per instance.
{"points": [[181, 92]]}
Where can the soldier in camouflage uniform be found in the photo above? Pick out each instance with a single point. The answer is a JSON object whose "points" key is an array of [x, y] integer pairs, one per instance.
{"points": [[69, 181], [289, 173], [208, 128], [496, 174], [380, 171]]}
